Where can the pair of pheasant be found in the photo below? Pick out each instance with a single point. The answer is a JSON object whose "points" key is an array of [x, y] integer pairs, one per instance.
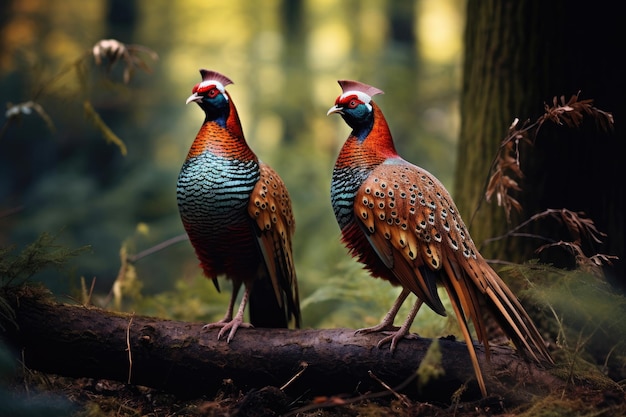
{"points": [[395, 218]]}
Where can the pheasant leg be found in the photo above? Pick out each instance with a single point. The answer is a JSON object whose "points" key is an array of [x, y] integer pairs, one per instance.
{"points": [[403, 330], [387, 323], [228, 322]]}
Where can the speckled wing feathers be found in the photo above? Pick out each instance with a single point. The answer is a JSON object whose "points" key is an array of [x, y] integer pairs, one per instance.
{"points": [[270, 208], [402, 212], [414, 227]]}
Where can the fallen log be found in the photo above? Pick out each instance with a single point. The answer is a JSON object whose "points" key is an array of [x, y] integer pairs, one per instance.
{"points": [[182, 358]]}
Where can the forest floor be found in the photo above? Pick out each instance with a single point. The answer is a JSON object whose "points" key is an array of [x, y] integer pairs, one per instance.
{"points": [[24, 392], [39, 394]]}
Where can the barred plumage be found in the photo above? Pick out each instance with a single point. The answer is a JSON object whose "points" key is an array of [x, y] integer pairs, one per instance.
{"points": [[237, 213], [344, 185], [211, 187], [401, 223]]}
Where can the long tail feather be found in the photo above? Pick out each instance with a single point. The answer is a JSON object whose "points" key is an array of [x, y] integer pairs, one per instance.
{"points": [[514, 320], [452, 287], [502, 304]]}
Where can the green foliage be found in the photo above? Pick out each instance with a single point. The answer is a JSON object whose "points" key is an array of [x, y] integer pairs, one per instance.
{"points": [[573, 406], [189, 300], [282, 102], [430, 368], [348, 296], [43, 253], [582, 312], [105, 52], [108, 134], [17, 269]]}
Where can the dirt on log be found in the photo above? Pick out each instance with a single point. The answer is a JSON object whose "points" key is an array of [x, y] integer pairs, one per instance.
{"points": [[182, 358]]}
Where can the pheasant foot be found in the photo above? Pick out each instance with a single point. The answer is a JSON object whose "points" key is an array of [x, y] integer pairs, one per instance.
{"points": [[403, 331], [387, 323], [229, 326]]}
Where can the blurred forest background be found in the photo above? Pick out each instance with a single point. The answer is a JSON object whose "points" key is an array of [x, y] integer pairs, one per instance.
{"points": [[59, 174]]}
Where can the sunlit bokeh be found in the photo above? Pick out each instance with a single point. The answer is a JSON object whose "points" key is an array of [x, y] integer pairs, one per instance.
{"points": [[439, 29], [284, 58]]}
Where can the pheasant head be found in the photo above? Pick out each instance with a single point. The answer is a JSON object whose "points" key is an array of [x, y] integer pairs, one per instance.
{"points": [[354, 105], [211, 95], [370, 133]]}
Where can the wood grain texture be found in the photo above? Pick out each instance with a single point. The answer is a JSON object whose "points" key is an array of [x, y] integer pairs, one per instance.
{"points": [[181, 358]]}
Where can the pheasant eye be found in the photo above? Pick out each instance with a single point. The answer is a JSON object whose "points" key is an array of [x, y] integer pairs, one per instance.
{"points": [[212, 93], [353, 103]]}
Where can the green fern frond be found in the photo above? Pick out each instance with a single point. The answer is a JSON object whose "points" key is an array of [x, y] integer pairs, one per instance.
{"points": [[43, 253], [15, 270]]}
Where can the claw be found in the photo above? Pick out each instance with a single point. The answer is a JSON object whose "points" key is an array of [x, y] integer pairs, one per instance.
{"points": [[395, 339], [216, 325], [387, 324], [229, 327], [382, 327]]}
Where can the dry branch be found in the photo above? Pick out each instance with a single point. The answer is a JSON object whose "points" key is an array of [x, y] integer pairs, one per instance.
{"points": [[181, 358]]}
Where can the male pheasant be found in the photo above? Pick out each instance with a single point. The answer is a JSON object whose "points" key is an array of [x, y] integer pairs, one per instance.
{"points": [[401, 223], [237, 213]]}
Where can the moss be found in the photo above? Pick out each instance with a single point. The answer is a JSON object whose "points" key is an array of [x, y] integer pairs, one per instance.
{"points": [[574, 406]]}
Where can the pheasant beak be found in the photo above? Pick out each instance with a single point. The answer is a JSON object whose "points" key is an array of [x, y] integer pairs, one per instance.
{"points": [[194, 97], [335, 109]]}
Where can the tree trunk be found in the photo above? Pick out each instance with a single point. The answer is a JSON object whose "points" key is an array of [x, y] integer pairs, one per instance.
{"points": [[518, 56], [488, 97], [181, 358]]}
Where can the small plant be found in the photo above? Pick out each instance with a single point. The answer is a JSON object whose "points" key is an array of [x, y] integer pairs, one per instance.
{"points": [[43, 253], [505, 169], [106, 53], [16, 270]]}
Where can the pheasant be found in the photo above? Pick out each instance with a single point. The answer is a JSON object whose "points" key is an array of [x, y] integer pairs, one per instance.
{"points": [[401, 223], [237, 213]]}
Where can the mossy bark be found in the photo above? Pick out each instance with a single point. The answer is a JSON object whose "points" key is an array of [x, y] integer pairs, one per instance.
{"points": [[180, 357]]}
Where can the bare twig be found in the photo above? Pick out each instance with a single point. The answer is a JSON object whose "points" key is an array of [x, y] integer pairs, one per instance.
{"points": [[340, 401], [400, 397], [130, 355], [580, 228], [158, 247], [86, 298], [303, 367], [10, 211]]}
